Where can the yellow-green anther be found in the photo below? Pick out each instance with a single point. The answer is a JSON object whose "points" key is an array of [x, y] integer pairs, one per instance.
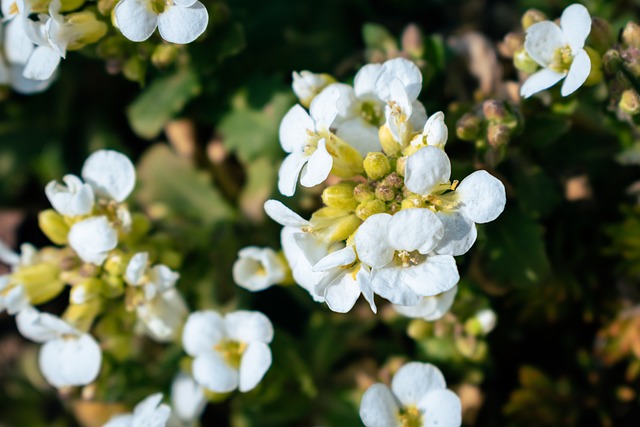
{"points": [[81, 316], [371, 207], [376, 165], [340, 196], [53, 226]]}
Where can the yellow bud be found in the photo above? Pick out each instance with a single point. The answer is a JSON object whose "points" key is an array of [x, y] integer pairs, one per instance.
{"points": [[164, 55], [595, 75], [532, 16], [371, 207], [113, 286], [363, 192], [376, 165], [116, 264], [631, 35], [523, 62], [630, 102], [53, 226], [347, 162], [81, 316], [106, 6], [389, 145], [85, 290], [85, 28], [419, 329], [473, 327], [334, 224], [41, 281], [340, 196], [400, 164], [468, 127], [413, 201]]}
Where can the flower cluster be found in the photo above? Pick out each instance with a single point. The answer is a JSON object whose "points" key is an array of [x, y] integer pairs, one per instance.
{"points": [[395, 221]]}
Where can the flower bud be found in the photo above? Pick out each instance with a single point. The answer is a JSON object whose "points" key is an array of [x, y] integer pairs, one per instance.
{"points": [[630, 102], [53, 226], [343, 228], [631, 35], [612, 61], [393, 181], [371, 207], [511, 43], [385, 193], [376, 165], [81, 316], [601, 36], [41, 282], [363, 192], [347, 162], [494, 110], [413, 201], [523, 62], [85, 290], [116, 264], [334, 224], [412, 41], [306, 85], [419, 329], [389, 145], [340, 196], [498, 135], [86, 27], [164, 55], [400, 165], [532, 16], [113, 286], [468, 127]]}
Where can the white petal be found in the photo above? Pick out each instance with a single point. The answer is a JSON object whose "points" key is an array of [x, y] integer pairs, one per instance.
{"points": [[163, 278], [17, 44], [415, 229], [436, 130], [257, 268], [7, 255], [442, 408], [360, 134], [25, 86], [70, 361], [163, 315], [283, 215], [542, 41], [435, 275], [576, 25], [136, 268], [213, 373], [135, 19], [318, 167], [41, 64], [429, 308], [426, 169], [15, 300], [346, 103], [379, 408], [414, 380], [578, 73], [248, 326], [181, 25], [364, 84], [540, 81], [481, 196], [110, 173], [389, 283], [92, 239], [418, 117], [404, 70], [324, 108], [398, 95], [202, 331], [289, 172], [342, 296], [255, 362], [371, 241], [187, 398], [459, 234], [345, 256], [120, 421], [301, 268], [293, 129], [149, 412], [363, 277], [41, 327]]}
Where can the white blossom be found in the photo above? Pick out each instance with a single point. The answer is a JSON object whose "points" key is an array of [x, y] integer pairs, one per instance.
{"points": [[74, 198], [110, 174], [429, 308], [92, 239], [187, 398], [559, 50], [418, 397], [148, 413], [258, 268], [229, 352], [179, 21], [306, 85], [67, 357], [13, 296]]}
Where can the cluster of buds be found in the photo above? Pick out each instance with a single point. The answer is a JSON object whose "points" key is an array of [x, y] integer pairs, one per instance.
{"points": [[622, 67], [394, 221], [490, 125]]}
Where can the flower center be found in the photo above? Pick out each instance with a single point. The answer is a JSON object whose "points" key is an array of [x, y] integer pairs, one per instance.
{"points": [[231, 351], [409, 259], [159, 6], [372, 113], [562, 59], [410, 417]]}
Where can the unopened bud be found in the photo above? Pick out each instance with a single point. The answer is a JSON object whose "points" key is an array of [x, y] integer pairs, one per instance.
{"points": [[363, 193], [494, 110], [340, 196], [81, 316], [393, 181], [41, 282], [164, 55], [385, 193], [334, 224], [612, 61], [523, 62], [347, 162], [306, 85], [498, 135], [389, 145], [116, 264], [630, 102], [601, 36], [53, 226], [113, 286], [85, 290], [419, 329], [412, 41], [371, 207], [413, 201], [436, 131], [532, 16], [512, 42], [631, 35], [400, 165], [468, 127], [376, 165]]}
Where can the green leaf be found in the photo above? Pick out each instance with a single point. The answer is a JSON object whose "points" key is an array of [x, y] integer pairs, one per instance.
{"points": [[261, 180], [377, 37], [515, 251], [162, 100], [171, 184]]}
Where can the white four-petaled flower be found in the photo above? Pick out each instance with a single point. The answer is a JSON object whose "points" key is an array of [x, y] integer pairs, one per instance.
{"points": [[148, 413], [258, 268]]}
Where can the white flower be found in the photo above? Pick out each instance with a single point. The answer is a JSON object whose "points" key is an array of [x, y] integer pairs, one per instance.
{"points": [[148, 413], [399, 250], [13, 296], [230, 352], [304, 135], [187, 398], [68, 356], [559, 50], [179, 21], [76, 198], [92, 239], [302, 251], [429, 308], [258, 268], [418, 397], [306, 85], [435, 132], [110, 173], [479, 198]]}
